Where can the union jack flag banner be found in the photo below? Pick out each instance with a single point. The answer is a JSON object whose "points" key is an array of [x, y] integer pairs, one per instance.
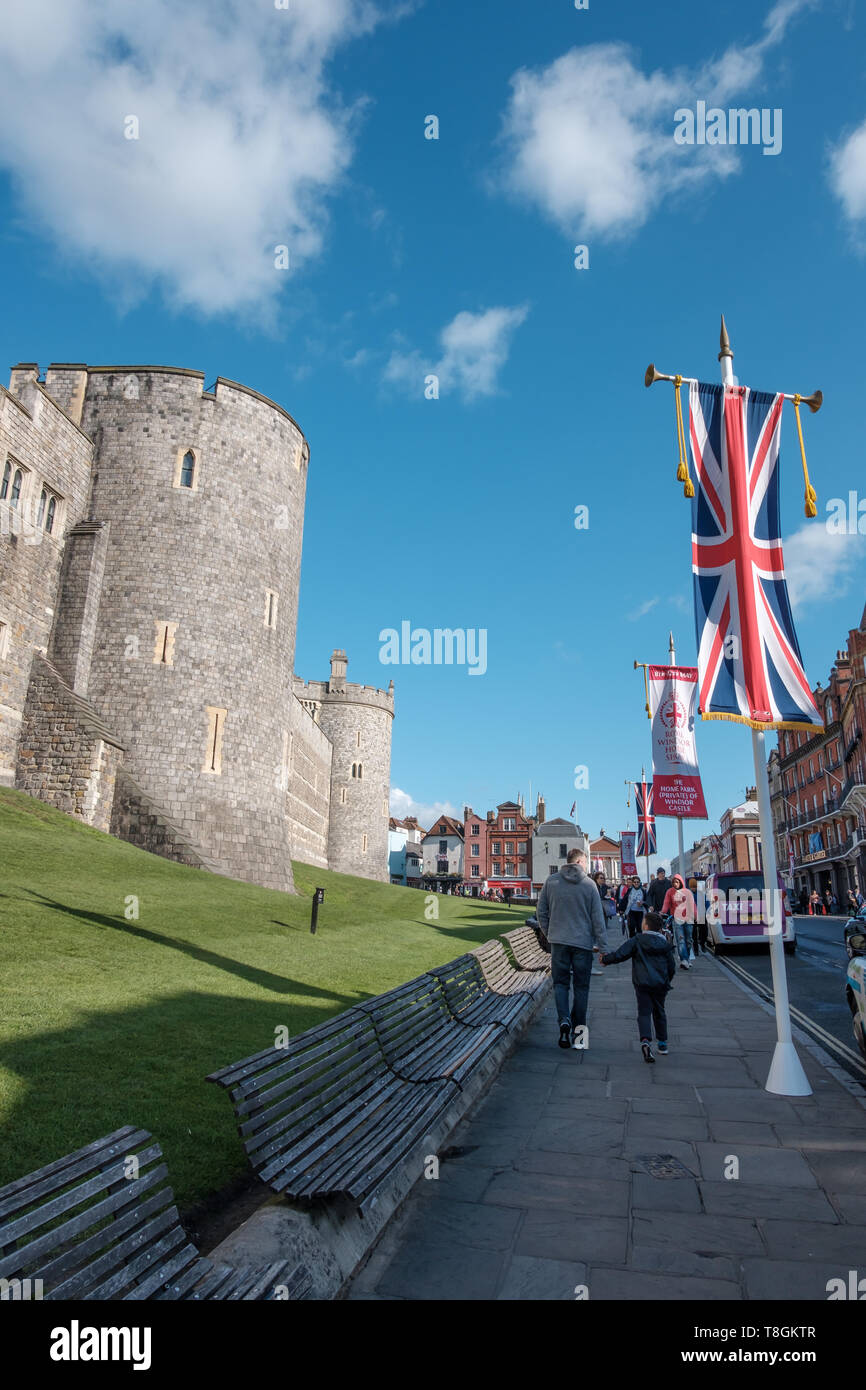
{"points": [[646, 821], [749, 663]]}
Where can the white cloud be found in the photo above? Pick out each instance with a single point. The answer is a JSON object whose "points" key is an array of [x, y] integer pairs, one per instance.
{"points": [[641, 611], [848, 173], [820, 565], [589, 139], [474, 349], [403, 805], [240, 140]]}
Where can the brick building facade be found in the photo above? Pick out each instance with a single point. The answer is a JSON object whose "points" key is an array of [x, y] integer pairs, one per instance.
{"points": [[820, 801]]}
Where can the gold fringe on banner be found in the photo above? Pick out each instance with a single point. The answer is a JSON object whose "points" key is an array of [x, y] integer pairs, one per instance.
{"points": [[759, 724]]}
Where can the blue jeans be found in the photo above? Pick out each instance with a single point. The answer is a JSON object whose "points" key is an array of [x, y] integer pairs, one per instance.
{"points": [[683, 934], [570, 967]]}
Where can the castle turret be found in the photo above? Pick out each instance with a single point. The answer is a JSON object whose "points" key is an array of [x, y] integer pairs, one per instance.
{"points": [[357, 721]]}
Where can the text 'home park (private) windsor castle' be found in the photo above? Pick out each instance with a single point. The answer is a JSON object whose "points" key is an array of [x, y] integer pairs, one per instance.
{"points": [[150, 555]]}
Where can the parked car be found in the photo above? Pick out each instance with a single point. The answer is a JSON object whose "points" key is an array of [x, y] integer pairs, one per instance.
{"points": [[740, 919], [855, 993], [855, 936]]}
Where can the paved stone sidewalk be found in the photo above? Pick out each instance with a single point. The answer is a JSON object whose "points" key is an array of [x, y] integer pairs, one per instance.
{"points": [[594, 1168]]}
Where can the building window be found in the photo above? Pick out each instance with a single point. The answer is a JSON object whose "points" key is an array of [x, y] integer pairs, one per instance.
{"points": [[508, 823], [47, 511], [476, 872], [216, 719], [443, 846], [271, 598], [476, 830], [509, 849], [563, 851], [363, 844], [12, 485], [4, 639], [186, 469], [343, 795], [496, 847], [496, 868], [358, 739], [474, 851], [163, 647]]}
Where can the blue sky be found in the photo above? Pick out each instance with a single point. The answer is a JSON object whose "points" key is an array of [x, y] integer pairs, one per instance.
{"points": [[305, 127]]}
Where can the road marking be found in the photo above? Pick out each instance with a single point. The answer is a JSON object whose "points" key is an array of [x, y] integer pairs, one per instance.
{"points": [[808, 1024]]}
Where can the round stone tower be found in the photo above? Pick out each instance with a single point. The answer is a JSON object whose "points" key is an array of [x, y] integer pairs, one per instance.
{"points": [[357, 721], [203, 493]]}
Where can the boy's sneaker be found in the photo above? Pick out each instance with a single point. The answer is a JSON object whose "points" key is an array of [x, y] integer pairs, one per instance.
{"points": [[663, 1049], [647, 1052], [565, 1035]]}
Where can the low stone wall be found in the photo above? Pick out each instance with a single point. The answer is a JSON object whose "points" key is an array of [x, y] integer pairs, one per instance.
{"points": [[67, 756]]}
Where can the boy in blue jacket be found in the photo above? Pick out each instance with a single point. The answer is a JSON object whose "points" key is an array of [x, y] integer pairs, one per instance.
{"points": [[652, 968]]}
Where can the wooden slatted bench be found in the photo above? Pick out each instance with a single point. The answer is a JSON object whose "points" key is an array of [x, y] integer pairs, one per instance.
{"points": [[101, 1224], [526, 949], [325, 1116], [421, 1038], [471, 1000], [499, 973]]}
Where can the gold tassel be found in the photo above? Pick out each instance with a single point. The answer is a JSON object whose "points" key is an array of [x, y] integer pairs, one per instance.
{"points": [[682, 465], [811, 498]]}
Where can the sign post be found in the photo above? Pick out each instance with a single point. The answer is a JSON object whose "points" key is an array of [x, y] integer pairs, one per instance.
{"points": [[318, 897]]}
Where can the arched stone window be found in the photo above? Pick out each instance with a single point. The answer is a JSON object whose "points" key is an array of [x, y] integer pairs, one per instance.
{"points": [[7, 478], [186, 469], [15, 494]]}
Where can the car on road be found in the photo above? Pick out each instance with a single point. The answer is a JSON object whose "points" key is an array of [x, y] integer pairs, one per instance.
{"points": [[855, 993], [738, 915], [855, 936]]}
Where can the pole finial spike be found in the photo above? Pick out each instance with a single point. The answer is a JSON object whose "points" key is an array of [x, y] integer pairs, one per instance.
{"points": [[724, 341]]}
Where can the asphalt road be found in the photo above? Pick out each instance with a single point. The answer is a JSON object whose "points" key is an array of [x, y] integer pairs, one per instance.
{"points": [[816, 978]]}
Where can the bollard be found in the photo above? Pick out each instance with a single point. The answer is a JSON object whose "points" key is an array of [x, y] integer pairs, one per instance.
{"points": [[318, 897]]}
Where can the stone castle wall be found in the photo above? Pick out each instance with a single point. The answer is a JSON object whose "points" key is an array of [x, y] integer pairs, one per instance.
{"points": [[52, 451], [309, 788], [67, 756]]}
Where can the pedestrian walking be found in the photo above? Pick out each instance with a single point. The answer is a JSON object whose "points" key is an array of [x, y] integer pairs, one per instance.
{"points": [[570, 914], [851, 904], [635, 906], [816, 906], [652, 969], [679, 904], [656, 891]]}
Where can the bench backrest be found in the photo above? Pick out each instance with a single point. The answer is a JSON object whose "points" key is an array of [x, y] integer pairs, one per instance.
{"points": [[414, 1013], [98, 1221], [462, 982], [496, 967], [526, 949], [283, 1095]]}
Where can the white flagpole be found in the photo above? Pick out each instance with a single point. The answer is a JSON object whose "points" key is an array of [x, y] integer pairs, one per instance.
{"points": [[680, 850], [786, 1076]]}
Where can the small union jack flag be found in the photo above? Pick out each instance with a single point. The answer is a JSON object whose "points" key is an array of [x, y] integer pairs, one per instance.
{"points": [[646, 821], [749, 662]]}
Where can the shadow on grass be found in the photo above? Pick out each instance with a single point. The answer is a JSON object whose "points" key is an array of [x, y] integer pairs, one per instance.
{"points": [[146, 1066], [263, 979]]}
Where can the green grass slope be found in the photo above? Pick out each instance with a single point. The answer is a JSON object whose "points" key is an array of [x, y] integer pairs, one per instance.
{"points": [[109, 1020]]}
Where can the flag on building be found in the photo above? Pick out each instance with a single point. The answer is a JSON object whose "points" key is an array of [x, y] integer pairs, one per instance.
{"points": [[573, 808], [646, 821], [749, 662], [677, 789]]}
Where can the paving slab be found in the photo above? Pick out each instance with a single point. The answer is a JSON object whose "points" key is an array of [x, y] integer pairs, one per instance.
{"points": [[627, 1285], [702, 1234], [760, 1202], [758, 1163], [529, 1278]]}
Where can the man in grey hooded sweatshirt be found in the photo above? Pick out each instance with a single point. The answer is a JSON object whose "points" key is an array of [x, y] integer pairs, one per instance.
{"points": [[570, 914]]}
